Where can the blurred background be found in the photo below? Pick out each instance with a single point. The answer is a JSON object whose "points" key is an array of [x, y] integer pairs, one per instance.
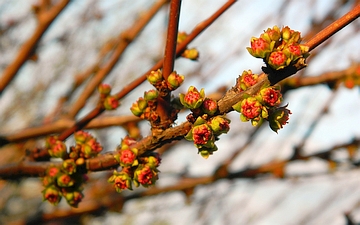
{"points": [[324, 125]]}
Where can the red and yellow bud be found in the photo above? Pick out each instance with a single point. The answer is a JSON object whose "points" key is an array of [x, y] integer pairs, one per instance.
{"points": [[145, 175], [65, 180], [209, 106], [151, 95], [73, 198], [155, 77], [192, 54], [52, 195], [111, 102], [175, 80], [138, 107], [69, 166], [219, 125], [121, 181], [127, 157], [270, 96], [278, 118], [104, 89], [192, 99]]}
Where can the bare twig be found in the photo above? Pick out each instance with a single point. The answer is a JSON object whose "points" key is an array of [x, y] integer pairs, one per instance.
{"points": [[45, 18]]}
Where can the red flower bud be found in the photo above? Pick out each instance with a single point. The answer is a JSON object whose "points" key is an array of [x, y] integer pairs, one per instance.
{"points": [[246, 80], [145, 176], [104, 89], [69, 166], [174, 80], [121, 181], [209, 106], [202, 134], [52, 195], [271, 96], [155, 77], [278, 118], [193, 98], [278, 60], [73, 198], [219, 125], [58, 150], [260, 48], [127, 157], [65, 180], [111, 102], [250, 108]]}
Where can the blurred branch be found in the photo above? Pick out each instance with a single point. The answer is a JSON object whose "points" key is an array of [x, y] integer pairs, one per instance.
{"points": [[125, 39], [62, 124], [334, 27], [46, 15]]}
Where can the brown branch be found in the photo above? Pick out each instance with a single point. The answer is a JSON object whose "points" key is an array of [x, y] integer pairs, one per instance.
{"points": [[334, 27], [45, 18], [150, 143], [63, 124], [125, 39], [179, 49], [171, 39]]}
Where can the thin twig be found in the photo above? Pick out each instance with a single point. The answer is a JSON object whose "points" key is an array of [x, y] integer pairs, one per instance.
{"points": [[45, 18]]}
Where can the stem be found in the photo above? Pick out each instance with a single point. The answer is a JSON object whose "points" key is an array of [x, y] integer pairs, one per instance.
{"points": [[45, 18], [333, 28], [171, 40]]}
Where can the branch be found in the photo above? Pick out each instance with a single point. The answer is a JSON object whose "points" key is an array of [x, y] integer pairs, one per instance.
{"points": [[45, 18], [125, 39]]}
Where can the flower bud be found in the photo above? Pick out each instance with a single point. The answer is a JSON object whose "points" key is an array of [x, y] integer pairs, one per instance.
{"points": [[127, 142], [145, 176], [65, 180], [175, 80], [52, 195], [278, 60], [139, 107], [69, 166], [273, 34], [153, 160], [155, 77], [121, 180], [193, 98], [58, 150], [202, 134], [219, 125], [246, 80], [249, 108], [111, 102], [278, 118], [82, 136], [260, 48], [127, 157], [209, 106], [181, 37], [271, 96], [73, 198], [104, 89], [151, 95], [192, 54]]}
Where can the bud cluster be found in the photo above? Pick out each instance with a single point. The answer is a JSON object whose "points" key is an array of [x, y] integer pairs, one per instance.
{"points": [[137, 170], [145, 107], [278, 48], [66, 181], [63, 182], [173, 81], [263, 105], [110, 102], [206, 131]]}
